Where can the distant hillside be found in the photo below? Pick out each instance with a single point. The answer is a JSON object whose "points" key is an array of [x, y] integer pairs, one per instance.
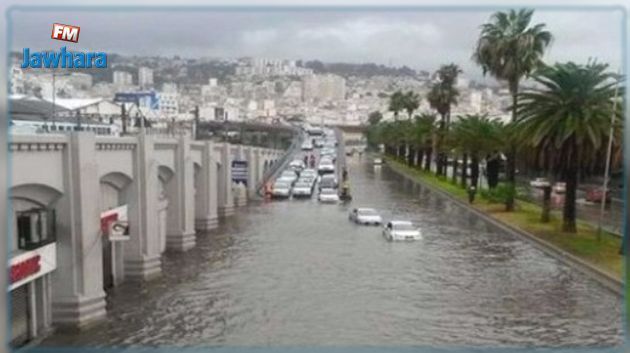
{"points": [[366, 70]]}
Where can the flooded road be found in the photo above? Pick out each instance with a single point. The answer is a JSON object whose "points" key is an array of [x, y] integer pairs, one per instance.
{"points": [[296, 272]]}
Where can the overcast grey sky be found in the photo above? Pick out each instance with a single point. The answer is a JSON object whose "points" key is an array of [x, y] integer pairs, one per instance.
{"points": [[421, 39]]}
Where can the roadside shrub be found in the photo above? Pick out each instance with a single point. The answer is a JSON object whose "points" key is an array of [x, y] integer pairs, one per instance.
{"points": [[499, 194]]}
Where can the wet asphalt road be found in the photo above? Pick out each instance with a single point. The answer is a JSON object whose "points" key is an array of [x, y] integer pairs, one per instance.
{"points": [[295, 272]]}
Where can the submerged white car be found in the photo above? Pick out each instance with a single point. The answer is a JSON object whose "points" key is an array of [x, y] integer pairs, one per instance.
{"points": [[289, 175], [326, 166], [302, 189], [365, 216], [297, 165], [328, 195], [401, 230], [281, 189]]}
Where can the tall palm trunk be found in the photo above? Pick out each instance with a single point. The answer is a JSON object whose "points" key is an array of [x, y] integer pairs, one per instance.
{"points": [[571, 179], [474, 170], [419, 157], [411, 155], [464, 170], [427, 159], [454, 176], [440, 155], [511, 163]]}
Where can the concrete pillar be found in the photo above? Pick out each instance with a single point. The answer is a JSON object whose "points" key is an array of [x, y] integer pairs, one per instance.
{"points": [[258, 163], [241, 191], [206, 213], [78, 297], [142, 250], [181, 215], [251, 154], [226, 199]]}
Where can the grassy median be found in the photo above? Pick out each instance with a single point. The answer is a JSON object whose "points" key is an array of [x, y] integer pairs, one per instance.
{"points": [[603, 253]]}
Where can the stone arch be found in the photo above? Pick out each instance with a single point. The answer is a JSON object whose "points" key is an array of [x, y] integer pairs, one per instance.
{"points": [[114, 192], [26, 197], [36, 194]]}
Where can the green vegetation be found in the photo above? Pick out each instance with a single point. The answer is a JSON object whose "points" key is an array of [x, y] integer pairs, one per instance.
{"points": [[560, 126], [510, 49], [584, 243]]}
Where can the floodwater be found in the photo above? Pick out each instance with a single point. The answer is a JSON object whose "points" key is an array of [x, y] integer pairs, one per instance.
{"points": [[296, 272]]}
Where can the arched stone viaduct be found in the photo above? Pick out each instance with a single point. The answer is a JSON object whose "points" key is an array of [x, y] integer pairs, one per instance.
{"points": [[173, 188]]}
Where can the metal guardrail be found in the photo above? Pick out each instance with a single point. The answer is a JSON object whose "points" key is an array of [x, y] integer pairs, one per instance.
{"points": [[282, 162]]}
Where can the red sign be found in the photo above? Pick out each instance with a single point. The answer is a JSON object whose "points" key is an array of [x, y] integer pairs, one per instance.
{"points": [[24, 269], [66, 33], [106, 220]]}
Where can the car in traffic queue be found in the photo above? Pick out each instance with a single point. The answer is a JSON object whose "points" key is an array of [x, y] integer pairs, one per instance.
{"points": [[311, 180], [289, 175], [302, 189], [325, 166], [309, 173], [281, 189], [401, 230], [596, 194], [328, 181], [318, 143], [328, 195], [365, 216], [307, 146], [297, 166]]}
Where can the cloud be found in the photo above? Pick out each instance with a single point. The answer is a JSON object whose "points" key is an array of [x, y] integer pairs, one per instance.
{"points": [[363, 31], [419, 39], [259, 37]]}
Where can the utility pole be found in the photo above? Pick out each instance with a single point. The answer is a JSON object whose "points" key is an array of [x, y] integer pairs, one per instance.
{"points": [[78, 120], [607, 169], [123, 118], [196, 124]]}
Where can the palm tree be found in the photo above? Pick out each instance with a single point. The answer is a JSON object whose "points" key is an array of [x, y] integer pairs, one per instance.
{"points": [[411, 102], [478, 135], [375, 117], [510, 49], [568, 118], [425, 134], [441, 97], [397, 103]]}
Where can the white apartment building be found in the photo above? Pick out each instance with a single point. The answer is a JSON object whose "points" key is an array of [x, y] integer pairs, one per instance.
{"points": [[122, 78], [145, 77], [169, 87], [327, 87], [476, 102], [17, 80], [168, 104]]}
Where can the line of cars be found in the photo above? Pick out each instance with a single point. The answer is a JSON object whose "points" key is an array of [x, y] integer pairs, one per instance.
{"points": [[298, 181]]}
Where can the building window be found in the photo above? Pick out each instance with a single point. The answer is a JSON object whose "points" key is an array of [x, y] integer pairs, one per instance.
{"points": [[35, 228]]}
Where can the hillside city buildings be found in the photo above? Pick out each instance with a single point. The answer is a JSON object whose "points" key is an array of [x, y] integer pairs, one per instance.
{"points": [[245, 89]]}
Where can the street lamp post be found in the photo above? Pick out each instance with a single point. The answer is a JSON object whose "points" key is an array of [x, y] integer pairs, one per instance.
{"points": [[607, 168]]}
